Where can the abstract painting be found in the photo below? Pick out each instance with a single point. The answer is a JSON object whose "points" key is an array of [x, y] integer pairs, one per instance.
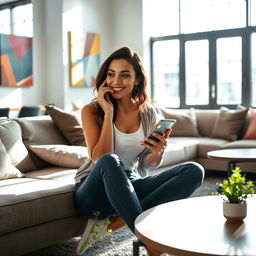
{"points": [[15, 61], [84, 56]]}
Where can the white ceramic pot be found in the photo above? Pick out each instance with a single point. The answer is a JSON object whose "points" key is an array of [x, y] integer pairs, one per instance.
{"points": [[234, 212]]}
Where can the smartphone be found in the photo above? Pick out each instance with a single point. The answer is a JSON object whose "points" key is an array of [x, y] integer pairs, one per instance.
{"points": [[160, 128]]}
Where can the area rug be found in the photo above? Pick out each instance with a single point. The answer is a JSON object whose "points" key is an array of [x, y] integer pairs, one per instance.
{"points": [[122, 239]]}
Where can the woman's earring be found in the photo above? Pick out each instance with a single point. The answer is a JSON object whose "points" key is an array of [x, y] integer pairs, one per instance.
{"points": [[135, 91]]}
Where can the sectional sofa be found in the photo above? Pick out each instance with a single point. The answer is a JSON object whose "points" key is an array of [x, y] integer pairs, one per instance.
{"points": [[40, 156], [199, 131]]}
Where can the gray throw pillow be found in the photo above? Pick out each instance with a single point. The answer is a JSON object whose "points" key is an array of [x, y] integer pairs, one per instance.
{"points": [[186, 124], [229, 123], [69, 125], [61, 155]]}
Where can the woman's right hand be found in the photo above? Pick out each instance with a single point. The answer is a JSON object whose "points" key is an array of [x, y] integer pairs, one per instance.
{"points": [[103, 98]]}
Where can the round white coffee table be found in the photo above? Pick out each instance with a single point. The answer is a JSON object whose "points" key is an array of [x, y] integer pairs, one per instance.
{"points": [[197, 227], [233, 156]]}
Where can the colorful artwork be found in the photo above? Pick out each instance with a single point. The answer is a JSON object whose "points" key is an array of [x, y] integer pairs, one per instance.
{"points": [[84, 58], [15, 60]]}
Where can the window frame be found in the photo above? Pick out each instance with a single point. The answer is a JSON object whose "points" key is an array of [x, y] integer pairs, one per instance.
{"points": [[212, 36]]}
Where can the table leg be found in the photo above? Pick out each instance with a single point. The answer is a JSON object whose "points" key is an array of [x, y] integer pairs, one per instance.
{"points": [[136, 247], [231, 166]]}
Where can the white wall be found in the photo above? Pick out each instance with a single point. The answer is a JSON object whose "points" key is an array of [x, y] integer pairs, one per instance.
{"points": [[119, 22], [127, 24]]}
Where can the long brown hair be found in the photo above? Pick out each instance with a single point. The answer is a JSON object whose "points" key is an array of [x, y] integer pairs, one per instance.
{"points": [[139, 94]]}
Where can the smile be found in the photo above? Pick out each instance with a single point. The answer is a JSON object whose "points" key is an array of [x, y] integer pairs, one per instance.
{"points": [[117, 89]]}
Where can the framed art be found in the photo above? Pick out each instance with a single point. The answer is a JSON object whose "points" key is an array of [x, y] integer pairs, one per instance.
{"points": [[84, 58], [15, 61]]}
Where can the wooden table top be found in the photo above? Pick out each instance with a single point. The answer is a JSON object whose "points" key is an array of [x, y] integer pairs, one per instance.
{"points": [[196, 226], [236, 154]]}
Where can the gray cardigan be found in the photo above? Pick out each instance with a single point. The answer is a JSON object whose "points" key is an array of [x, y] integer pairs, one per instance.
{"points": [[148, 116]]}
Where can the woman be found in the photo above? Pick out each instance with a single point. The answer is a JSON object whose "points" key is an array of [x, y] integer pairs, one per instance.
{"points": [[112, 187]]}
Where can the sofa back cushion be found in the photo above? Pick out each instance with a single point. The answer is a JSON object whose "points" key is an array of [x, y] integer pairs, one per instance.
{"points": [[40, 130], [11, 137]]}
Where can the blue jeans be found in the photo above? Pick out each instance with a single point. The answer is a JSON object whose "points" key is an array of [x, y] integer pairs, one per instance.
{"points": [[112, 190]]}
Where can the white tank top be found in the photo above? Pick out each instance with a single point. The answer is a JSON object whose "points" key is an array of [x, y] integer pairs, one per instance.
{"points": [[128, 147]]}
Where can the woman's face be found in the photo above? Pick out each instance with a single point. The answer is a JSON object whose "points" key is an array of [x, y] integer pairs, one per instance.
{"points": [[121, 78]]}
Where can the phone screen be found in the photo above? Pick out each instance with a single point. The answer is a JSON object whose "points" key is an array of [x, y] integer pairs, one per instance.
{"points": [[161, 128]]}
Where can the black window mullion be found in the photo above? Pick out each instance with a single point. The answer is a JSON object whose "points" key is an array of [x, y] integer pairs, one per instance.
{"points": [[212, 73], [246, 69], [182, 74]]}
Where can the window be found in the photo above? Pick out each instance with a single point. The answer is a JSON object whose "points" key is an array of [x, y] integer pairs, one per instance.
{"points": [[229, 71], [197, 72], [216, 58], [17, 18], [5, 21], [166, 72]]}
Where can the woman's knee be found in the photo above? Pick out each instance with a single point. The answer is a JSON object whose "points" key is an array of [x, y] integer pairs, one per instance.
{"points": [[109, 159], [196, 171], [109, 162]]}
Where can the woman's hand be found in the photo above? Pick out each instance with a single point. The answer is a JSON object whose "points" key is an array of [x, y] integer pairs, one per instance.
{"points": [[157, 147], [103, 98]]}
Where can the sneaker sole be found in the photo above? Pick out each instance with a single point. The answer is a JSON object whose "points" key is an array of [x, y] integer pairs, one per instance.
{"points": [[85, 235]]}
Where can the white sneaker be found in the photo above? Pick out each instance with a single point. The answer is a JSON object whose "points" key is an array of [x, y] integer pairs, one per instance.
{"points": [[95, 231]]}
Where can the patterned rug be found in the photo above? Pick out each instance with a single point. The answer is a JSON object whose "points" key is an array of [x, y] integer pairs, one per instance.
{"points": [[122, 239]]}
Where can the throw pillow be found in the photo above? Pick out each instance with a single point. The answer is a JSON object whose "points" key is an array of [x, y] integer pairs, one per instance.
{"points": [[76, 106], [229, 123], [61, 155], [7, 170], [69, 124], [185, 122], [250, 133]]}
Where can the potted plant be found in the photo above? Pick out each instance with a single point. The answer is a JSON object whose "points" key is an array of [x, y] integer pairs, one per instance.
{"points": [[234, 193]]}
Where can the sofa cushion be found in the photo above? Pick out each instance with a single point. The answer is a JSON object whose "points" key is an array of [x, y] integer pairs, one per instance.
{"points": [[179, 149], [61, 155], [7, 170], [174, 153], [208, 144], [28, 202], [185, 122], [229, 123], [69, 124], [241, 144], [10, 134], [250, 133], [63, 174]]}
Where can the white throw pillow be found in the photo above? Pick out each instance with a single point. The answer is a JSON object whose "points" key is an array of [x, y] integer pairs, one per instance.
{"points": [[7, 170], [61, 155]]}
